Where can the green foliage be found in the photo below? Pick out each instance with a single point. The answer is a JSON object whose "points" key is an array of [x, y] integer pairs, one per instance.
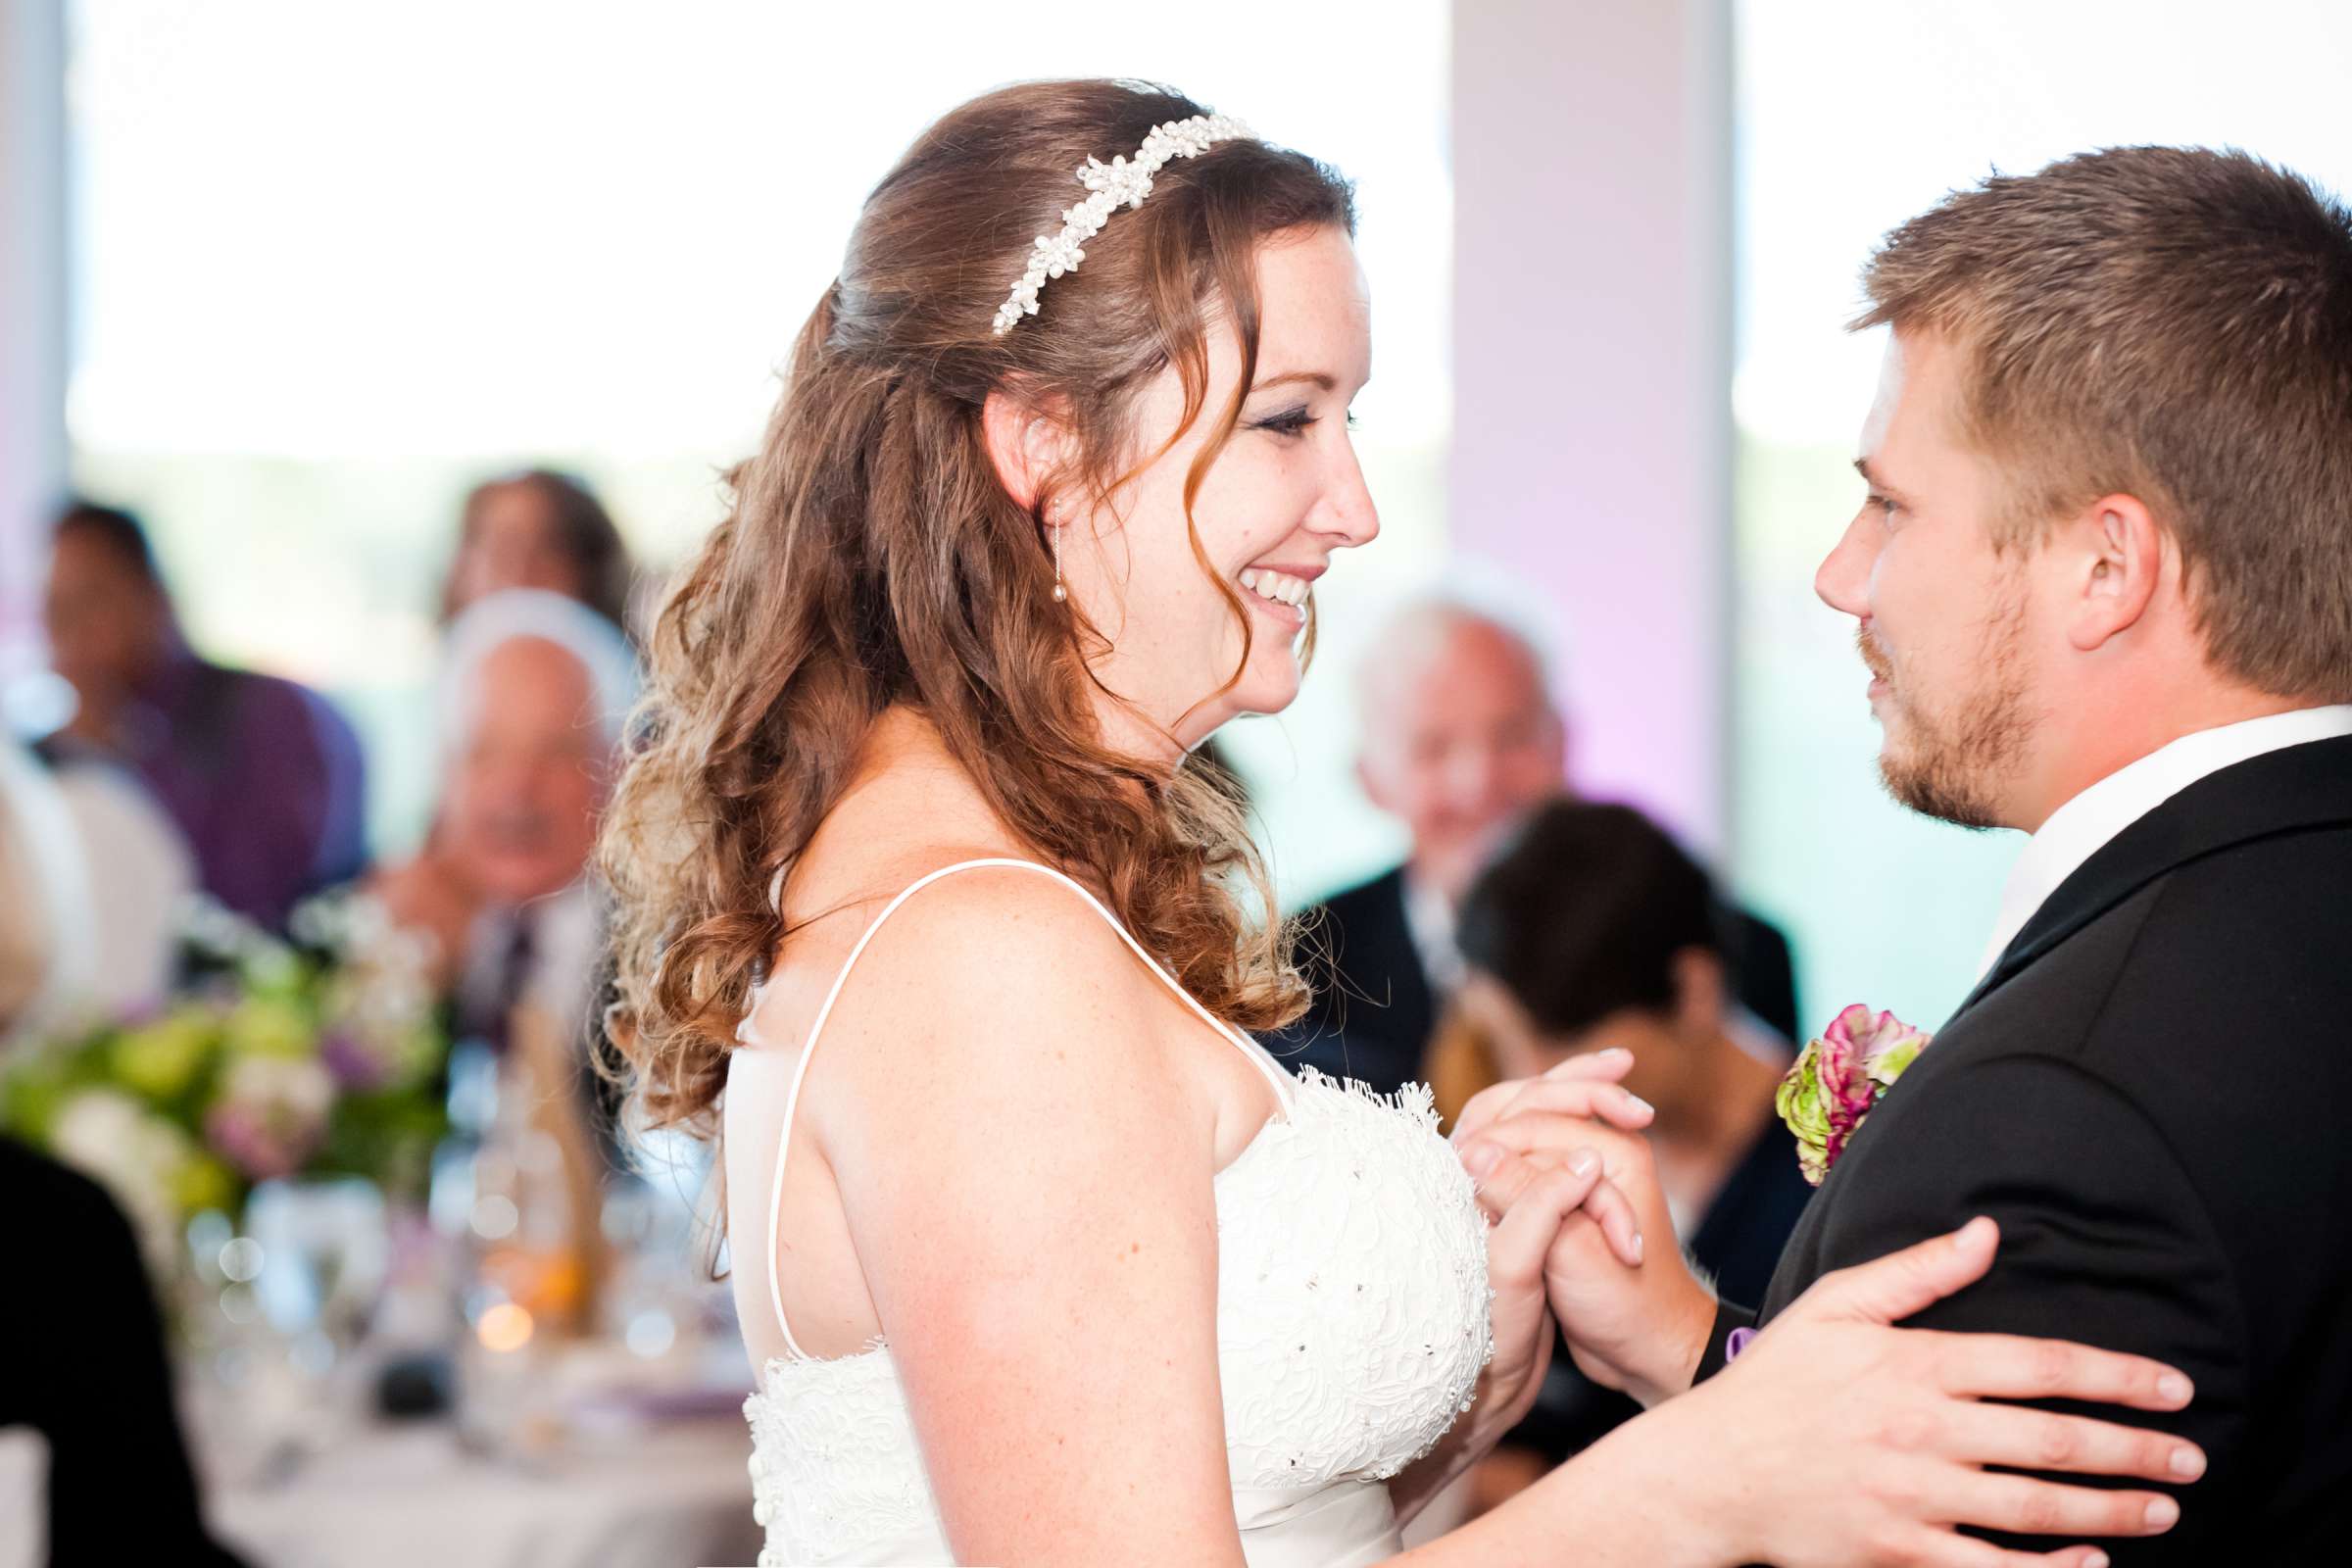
{"points": [[321, 1055]]}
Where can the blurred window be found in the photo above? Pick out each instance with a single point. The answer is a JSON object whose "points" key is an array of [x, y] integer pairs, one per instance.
{"points": [[333, 264]]}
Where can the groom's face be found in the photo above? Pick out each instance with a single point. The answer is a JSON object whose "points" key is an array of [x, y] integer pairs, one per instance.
{"points": [[1941, 618]]}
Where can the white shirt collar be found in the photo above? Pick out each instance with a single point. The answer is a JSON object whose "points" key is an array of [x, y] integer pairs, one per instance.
{"points": [[2086, 824], [1428, 919]]}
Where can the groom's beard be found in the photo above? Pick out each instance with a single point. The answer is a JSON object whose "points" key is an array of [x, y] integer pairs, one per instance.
{"points": [[1951, 766]]}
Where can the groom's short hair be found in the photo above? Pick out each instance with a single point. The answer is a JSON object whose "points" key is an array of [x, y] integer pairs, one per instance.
{"points": [[2174, 323]]}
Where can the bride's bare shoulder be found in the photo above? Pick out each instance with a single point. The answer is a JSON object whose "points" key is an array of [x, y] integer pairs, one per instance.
{"points": [[1000, 932], [986, 942]]}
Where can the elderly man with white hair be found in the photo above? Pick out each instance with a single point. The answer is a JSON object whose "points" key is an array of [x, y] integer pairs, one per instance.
{"points": [[1460, 739], [533, 695]]}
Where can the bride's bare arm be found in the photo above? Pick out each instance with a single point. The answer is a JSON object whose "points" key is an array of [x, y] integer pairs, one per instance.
{"points": [[1026, 1172]]}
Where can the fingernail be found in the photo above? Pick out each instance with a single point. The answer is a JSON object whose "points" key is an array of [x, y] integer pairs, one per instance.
{"points": [[2187, 1464], [2174, 1387], [1637, 1246], [1641, 1105], [1581, 1162], [1614, 1053], [2162, 1514], [2097, 1559], [1482, 1159]]}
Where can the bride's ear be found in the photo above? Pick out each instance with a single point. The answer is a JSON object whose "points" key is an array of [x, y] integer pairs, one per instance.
{"points": [[1028, 443]]}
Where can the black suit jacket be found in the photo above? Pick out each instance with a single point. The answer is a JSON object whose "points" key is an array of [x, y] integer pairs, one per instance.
{"points": [[82, 1362], [2152, 1093], [1374, 1011]]}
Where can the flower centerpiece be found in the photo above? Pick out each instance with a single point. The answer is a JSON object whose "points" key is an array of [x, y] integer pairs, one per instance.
{"points": [[318, 1053], [1836, 1080]]}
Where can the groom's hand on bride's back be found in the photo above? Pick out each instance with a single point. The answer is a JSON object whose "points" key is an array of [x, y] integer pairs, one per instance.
{"points": [[1634, 1316]]}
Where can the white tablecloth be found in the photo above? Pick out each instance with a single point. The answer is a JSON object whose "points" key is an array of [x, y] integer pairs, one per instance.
{"points": [[674, 1494], [23, 1498]]}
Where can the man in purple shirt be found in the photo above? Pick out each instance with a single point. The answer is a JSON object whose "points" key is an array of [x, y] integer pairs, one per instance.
{"points": [[262, 775]]}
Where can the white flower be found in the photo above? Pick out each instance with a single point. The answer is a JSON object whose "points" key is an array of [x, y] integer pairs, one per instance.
{"points": [[297, 1086]]}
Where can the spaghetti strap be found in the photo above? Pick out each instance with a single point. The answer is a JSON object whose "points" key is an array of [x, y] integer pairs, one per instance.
{"points": [[1274, 1075]]}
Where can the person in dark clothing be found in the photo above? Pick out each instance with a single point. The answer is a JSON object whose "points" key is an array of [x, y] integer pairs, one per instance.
{"points": [[263, 777], [1461, 739], [86, 1370], [1593, 930]]}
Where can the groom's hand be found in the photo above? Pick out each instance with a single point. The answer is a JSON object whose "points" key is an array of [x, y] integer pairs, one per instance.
{"points": [[1635, 1317]]}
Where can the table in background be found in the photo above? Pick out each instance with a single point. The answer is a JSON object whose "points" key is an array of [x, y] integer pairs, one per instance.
{"points": [[667, 1495]]}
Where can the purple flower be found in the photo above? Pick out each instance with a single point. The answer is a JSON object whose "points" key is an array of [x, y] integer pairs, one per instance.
{"points": [[271, 1115], [353, 1064], [246, 1140]]}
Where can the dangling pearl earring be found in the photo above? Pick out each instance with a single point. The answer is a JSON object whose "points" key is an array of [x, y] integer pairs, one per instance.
{"points": [[1060, 593]]}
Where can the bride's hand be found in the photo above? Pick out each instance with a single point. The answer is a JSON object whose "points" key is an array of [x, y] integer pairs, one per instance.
{"points": [[1635, 1318], [1528, 1220], [1837, 1440], [1541, 1205]]}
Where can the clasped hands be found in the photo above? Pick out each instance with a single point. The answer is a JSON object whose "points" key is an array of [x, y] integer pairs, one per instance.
{"points": [[1568, 1144]]}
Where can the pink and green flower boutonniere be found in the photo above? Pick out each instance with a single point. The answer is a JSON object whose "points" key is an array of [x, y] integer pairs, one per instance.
{"points": [[1837, 1078]]}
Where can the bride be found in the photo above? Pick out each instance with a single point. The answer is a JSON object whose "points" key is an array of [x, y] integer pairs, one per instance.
{"points": [[926, 913]]}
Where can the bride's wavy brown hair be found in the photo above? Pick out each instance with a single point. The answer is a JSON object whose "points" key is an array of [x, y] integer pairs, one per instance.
{"points": [[872, 558]]}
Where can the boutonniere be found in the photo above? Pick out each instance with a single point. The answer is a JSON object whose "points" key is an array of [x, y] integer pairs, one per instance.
{"points": [[1837, 1078]]}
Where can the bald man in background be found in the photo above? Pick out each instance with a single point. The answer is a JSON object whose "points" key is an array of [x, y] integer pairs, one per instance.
{"points": [[1460, 738], [533, 701]]}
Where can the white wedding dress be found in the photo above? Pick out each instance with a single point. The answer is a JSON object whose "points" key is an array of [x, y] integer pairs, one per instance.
{"points": [[1352, 1321]]}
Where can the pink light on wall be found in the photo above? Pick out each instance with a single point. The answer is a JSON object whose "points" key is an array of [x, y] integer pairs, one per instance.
{"points": [[1593, 352]]}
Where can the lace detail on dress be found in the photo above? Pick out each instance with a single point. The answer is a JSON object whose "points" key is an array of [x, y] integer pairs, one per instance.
{"points": [[835, 1471], [1352, 1306], [1352, 1321]]}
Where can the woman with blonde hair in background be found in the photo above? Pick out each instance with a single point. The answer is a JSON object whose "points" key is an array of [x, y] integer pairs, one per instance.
{"points": [[1041, 1257]]}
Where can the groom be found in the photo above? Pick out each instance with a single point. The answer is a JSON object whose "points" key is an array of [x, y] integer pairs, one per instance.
{"points": [[2103, 581]]}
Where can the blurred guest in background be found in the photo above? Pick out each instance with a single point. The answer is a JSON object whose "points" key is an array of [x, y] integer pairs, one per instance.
{"points": [[539, 530], [92, 877], [40, 927], [1460, 738], [262, 778], [532, 700], [1593, 929]]}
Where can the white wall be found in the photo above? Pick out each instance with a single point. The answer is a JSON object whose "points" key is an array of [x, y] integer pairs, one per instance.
{"points": [[1591, 331], [32, 305]]}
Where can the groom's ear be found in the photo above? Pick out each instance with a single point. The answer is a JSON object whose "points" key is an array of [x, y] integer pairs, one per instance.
{"points": [[2116, 557]]}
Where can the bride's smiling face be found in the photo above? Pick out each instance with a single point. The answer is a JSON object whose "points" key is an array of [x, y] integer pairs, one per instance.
{"points": [[1283, 497]]}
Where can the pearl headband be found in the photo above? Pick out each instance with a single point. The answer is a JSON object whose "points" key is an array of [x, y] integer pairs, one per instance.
{"points": [[1120, 183]]}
